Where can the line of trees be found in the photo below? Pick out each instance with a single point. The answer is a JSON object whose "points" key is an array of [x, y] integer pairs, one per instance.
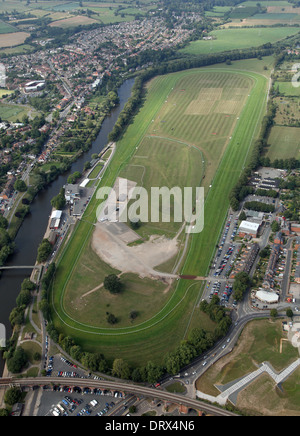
{"points": [[242, 283], [241, 189], [6, 244], [198, 342], [259, 206], [16, 357]]}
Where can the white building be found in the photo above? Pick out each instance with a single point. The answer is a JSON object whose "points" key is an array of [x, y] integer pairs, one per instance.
{"points": [[35, 86], [267, 297], [248, 228], [55, 219]]}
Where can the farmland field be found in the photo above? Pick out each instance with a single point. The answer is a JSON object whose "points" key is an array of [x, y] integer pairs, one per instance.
{"points": [[171, 122], [72, 22], [6, 28], [12, 39], [231, 39], [274, 12]]}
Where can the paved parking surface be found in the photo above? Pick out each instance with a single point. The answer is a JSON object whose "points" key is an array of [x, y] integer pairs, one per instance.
{"points": [[77, 403]]}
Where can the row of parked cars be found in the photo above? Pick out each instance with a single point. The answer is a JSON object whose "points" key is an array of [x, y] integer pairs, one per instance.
{"points": [[66, 374], [224, 261], [106, 408], [225, 234], [225, 294], [49, 367]]}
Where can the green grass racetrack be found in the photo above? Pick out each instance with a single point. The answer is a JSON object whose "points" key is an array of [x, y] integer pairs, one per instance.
{"points": [[153, 338]]}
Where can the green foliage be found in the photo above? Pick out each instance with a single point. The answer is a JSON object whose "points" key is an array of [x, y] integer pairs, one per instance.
{"points": [[74, 177], [259, 206], [113, 284], [59, 201], [275, 226], [12, 396], [17, 361], [20, 186], [24, 298], [44, 250], [4, 412], [241, 284], [16, 316], [111, 319], [3, 222], [121, 369]]}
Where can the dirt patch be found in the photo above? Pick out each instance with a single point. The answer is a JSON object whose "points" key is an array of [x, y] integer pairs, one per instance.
{"points": [[141, 259], [13, 39]]}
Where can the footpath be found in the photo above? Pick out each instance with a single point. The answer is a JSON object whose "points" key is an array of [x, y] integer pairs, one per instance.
{"points": [[230, 391]]}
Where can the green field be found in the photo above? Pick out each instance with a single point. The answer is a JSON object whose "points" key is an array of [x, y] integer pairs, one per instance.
{"points": [[287, 89], [13, 112], [259, 342], [7, 28], [234, 39], [173, 111], [284, 143], [4, 92]]}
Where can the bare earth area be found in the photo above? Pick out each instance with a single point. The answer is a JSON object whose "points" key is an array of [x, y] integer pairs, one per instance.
{"points": [[141, 259], [12, 39]]}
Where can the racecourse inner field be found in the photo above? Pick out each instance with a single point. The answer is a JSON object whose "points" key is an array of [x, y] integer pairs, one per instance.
{"points": [[215, 115]]}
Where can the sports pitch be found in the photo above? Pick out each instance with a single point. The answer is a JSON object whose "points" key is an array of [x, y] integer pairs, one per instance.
{"points": [[183, 133], [283, 143]]}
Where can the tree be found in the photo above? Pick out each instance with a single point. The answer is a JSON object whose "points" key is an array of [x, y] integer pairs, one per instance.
{"points": [[111, 319], [4, 412], [45, 308], [12, 396], [242, 216], [23, 298], [274, 313], [113, 284], [44, 251], [121, 369], [74, 177], [87, 166], [154, 372], [16, 316], [18, 361], [76, 352], [20, 185], [241, 284], [135, 224], [59, 201], [275, 226], [28, 285], [3, 222]]}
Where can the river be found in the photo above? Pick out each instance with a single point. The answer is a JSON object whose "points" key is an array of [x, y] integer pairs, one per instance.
{"points": [[34, 226]]}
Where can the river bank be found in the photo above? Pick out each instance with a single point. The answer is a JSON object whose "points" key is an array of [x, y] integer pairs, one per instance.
{"points": [[33, 228]]}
